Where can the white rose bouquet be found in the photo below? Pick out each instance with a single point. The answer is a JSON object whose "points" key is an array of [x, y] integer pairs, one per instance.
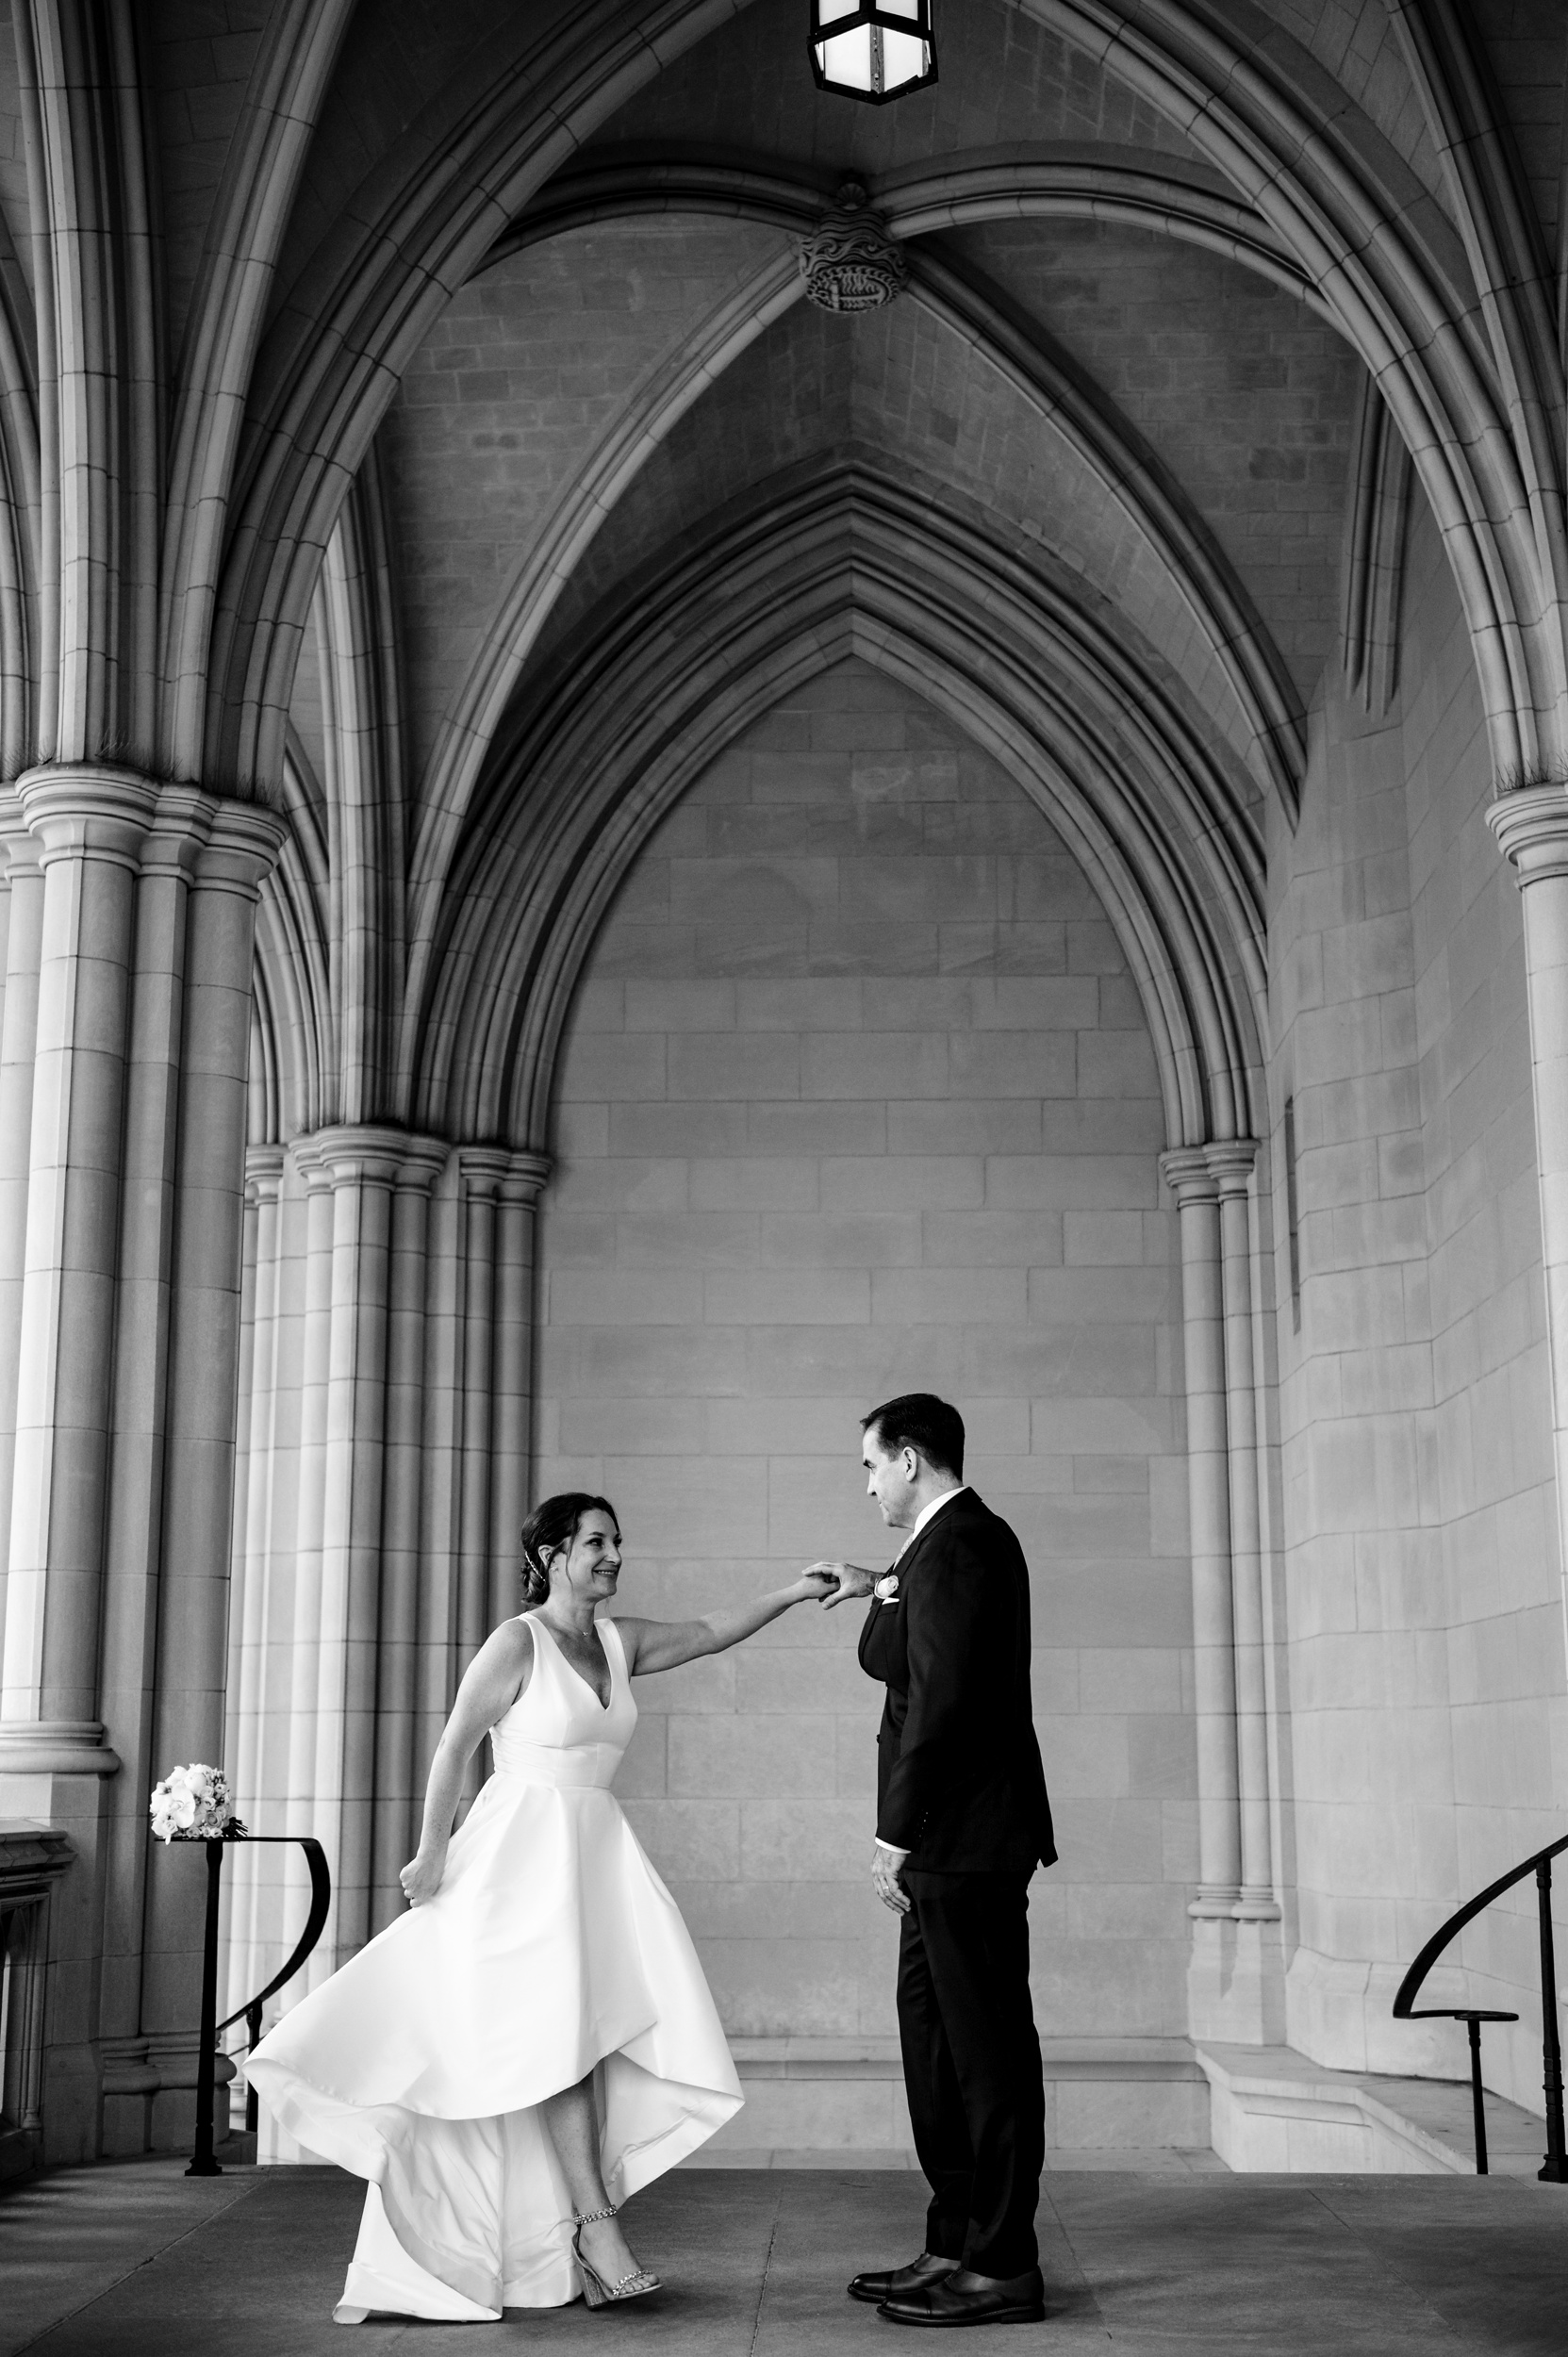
{"points": [[193, 1804]]}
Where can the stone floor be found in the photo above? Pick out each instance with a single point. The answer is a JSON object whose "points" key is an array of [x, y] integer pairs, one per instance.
{"points": [[135, 2260]]}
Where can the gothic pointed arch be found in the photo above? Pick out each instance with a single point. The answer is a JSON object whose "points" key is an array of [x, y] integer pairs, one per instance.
{"points": [[1156, 813]]}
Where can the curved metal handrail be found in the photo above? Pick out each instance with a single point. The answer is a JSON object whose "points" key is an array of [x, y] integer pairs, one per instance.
{"points": [[1409, 1986], [315, 1922], [1405, 2009], [202, 2161]]}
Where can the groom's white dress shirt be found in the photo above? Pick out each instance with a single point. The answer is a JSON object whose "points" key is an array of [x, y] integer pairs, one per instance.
{"points": [[923, 1517]]}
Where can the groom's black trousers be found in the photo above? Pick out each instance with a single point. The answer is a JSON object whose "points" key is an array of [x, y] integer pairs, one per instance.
{"points": [[972, 2065]]}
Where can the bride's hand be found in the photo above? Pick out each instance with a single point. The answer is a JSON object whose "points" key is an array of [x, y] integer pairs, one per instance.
{"points": [[837, 1583], [421, 1878]]}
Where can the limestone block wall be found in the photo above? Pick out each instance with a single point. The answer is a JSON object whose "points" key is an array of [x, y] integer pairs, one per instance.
{"points": [[1426, 1663], [858, 1099]]}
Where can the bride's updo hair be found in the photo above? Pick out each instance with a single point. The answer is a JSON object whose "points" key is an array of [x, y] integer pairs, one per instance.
{"points": [[550, 1526]]}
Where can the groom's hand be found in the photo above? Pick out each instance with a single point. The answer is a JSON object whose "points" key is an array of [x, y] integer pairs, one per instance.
{"points": [[848, 1580], [886, 1864]]}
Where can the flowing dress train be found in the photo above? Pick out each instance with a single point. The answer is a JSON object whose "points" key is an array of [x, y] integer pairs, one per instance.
{"points": [[551, 1950]]}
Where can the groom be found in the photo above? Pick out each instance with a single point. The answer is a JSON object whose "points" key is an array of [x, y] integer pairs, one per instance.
{"points": [[962, 1822]]}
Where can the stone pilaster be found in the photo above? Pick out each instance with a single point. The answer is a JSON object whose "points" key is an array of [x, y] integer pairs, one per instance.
{"points": [[18, 1048], [181, 823], [363, 1164], [1531, 828], [397, 1651], [123, 1129], [252, 1612], [1235, 1979], [1231, 1163], [485, 1171], [89, 826], [512, 1388], [314, 1707], [1196, 1192], [240, 845]]}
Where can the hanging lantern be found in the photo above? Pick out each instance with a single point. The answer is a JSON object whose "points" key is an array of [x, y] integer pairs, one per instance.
{"points": [[872, 49]]}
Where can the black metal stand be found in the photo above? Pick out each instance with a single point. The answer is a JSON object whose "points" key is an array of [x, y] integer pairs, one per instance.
{"points": [[1555, 2171], [202, 2161], [1474, 2026], [253, 2034]]}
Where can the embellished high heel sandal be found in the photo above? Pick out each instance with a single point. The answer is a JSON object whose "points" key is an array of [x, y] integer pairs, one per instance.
{"points": [[596, 2292]]}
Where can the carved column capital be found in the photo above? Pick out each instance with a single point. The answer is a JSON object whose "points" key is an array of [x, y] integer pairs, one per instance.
{"points": [[423, 1161], [17, 840], [1185, 1170], [1531, 828], [527, 1177], [484, 1168], [1232, 1161], [310, 1162], [87, 810], [263, 1172], [360, 1153], [241, 847]]}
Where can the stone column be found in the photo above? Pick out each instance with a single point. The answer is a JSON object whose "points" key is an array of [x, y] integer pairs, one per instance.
{"points": [[89, 824], [203, 1401], [1196, 1192], [512, 1390], [134, 1536], [1231, 1164], [18, 1045], [441, 1471], [363, 1164], [397, 1654], [251, 1616], [313, 1749], [251, 1237], [484, 1170], [1531, 828]]}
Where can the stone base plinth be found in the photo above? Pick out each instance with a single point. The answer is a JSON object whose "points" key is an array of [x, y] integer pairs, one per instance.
{"points": [[1236, 1981], [1274, 2109], [846, 2095]]}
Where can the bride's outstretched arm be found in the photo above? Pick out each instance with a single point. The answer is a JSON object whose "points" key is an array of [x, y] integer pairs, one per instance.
{"points": [[665, 1644], [491, 1682]]}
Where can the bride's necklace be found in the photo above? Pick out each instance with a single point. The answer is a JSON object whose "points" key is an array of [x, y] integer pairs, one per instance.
{"points": [[586, 1654]]}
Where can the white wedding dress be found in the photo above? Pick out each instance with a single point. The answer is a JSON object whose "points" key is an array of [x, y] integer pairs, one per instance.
{"points": [[550, 1950]]}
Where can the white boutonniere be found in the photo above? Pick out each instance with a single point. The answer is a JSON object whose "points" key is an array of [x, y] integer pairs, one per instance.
{"points": [[886, 1589]]}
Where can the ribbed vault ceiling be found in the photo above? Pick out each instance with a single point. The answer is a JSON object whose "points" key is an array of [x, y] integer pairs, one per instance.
{"points": [[616, 485]]}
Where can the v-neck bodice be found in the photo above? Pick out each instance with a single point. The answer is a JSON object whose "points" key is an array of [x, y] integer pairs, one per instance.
{"points": [[558, 1732]]}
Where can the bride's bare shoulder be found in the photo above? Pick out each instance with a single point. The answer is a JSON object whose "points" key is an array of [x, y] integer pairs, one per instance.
{"points": [[506, 1660], [512, 1642]]}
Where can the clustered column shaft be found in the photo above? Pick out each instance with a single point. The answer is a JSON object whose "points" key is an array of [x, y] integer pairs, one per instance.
{"points": [[388, 1454], [122, 1059], [1213, 1189], [1531, 828]]}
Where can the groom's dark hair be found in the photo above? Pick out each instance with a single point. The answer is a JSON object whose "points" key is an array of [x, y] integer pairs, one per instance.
{"points": [[920, 1421]]}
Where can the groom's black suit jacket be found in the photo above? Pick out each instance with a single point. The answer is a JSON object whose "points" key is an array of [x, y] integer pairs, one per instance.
{"points": [[959, 1780]]}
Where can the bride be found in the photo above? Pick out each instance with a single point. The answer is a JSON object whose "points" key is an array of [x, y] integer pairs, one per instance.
{"points": [[534, 2040]]}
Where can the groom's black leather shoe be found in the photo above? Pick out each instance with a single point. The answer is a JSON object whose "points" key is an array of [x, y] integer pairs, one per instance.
{"points": [[889, 2283], [964, 2299]]}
